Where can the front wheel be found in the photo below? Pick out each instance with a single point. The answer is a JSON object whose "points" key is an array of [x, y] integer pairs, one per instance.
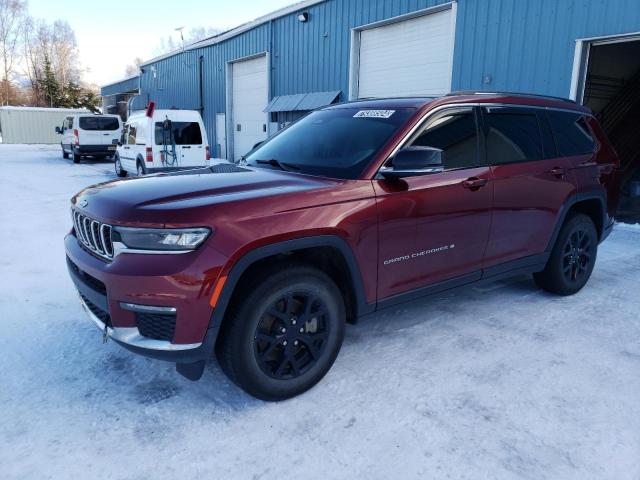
{"points": [[284, 336], [120, 172], [572, 258], [76, 158]]}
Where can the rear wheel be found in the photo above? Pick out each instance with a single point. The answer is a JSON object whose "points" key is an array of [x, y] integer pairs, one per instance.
{"points": [[140, 169], [282, 338], [120, 172], [76, 158], [572, 258]]}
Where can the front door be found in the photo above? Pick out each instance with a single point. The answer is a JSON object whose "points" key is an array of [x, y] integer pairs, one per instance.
{"points": [[435, 228]]}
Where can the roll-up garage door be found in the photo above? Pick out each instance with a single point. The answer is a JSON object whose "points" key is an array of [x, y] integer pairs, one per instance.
{"points": [[409, 57], [249, 98]]}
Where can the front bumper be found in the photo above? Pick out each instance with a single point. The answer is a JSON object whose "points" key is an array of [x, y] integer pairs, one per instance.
{"points": [[108, 291]]}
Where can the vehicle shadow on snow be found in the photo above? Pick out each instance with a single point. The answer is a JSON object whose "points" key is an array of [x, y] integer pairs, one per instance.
{"points": [[155, 383]]}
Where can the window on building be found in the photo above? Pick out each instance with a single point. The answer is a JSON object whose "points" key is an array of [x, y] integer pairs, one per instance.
{"points": [[512, 135], [571, 133], [455, 133]]}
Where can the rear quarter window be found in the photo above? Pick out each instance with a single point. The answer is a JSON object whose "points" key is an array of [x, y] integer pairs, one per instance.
{"points": [[99, 123], [571, 133]]}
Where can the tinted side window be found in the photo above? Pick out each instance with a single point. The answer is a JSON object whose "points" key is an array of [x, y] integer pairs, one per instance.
{"points": [[571, 132], [123, 135], [182, 133], [512, 135], [455, 133], [132, 134], [68, 123]]}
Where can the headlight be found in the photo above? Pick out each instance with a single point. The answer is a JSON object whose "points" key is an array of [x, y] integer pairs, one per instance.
{"points": [[170, 239]]}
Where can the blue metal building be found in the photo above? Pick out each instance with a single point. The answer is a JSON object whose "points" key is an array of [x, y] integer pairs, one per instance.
{"points": [[249, 81]]}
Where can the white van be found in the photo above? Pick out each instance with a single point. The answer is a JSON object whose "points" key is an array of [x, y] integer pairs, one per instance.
{"points": [[90, 135], [167, 140]]}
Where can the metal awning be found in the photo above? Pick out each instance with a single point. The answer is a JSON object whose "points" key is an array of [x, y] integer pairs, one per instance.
{"points": [[301, 102]]}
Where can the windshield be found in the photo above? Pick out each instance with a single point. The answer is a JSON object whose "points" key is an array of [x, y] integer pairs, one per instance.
{"points": [[337, 143]]}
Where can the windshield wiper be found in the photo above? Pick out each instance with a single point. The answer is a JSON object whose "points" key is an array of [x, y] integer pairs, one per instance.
{"points": [[278, 164]]}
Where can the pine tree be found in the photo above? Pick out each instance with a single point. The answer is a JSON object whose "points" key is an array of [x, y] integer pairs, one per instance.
{"points": [[49, 86]]}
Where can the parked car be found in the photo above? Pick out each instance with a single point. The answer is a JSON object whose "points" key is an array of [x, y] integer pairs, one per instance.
{"points": [[166, 140], [352, 209], [89, 135]]}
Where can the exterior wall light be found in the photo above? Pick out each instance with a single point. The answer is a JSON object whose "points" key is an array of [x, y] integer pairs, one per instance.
{"points": [[303, 17]]}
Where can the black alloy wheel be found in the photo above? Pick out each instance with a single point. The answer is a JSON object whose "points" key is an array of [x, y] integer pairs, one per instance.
{"points": [[572, 259], [291, 335], [283, 331]]}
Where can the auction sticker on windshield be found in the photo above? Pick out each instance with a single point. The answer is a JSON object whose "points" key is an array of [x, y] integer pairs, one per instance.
{"points": [[374, 114]]}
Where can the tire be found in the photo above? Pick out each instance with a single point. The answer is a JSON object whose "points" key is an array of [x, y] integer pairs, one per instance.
{"points": [[76, 158], [65, 155], [572, 259], [275, 364], [140, 170], [120, 172]]}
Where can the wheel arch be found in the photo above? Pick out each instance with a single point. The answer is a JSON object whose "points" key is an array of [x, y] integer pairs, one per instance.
{"points": [[592, 204], [297, 249]]}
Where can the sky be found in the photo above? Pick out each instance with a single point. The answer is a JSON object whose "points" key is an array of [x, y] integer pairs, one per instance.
{"points": [[111, 35]]}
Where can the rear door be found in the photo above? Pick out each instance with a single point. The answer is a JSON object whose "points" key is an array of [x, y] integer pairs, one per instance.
{"points": [[531, 182], [88, 131], [435, 227], [188, 138]]}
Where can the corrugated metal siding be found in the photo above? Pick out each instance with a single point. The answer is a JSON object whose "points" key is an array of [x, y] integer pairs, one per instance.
{"points": [[32, 125], [519, 45], [529, 45], [124, 86]]}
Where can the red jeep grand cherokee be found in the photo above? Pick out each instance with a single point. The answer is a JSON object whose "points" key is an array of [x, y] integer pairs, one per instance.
{"points": [[353, 208]]}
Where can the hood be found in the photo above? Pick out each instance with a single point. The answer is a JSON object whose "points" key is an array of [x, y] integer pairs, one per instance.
{"points": [[142, 199]]}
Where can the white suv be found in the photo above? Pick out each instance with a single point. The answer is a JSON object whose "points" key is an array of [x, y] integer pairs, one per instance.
{"points": [[89, 135], [165, 140]]}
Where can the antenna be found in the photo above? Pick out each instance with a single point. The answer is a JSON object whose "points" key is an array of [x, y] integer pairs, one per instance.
{"points": [[180, 29]]}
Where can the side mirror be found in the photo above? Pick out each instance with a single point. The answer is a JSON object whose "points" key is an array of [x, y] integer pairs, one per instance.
{"points": [[58, 130], [415, 161]]}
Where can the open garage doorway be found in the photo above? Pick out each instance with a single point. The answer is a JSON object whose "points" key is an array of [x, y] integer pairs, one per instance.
{"points": [[607, 80]]}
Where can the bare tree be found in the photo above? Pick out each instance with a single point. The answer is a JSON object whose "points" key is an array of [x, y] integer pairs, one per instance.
{"points": [[170, 44], [12, 13], [134, 68]]}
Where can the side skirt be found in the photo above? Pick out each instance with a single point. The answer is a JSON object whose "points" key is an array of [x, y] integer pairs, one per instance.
{"points": [[523, 266]]}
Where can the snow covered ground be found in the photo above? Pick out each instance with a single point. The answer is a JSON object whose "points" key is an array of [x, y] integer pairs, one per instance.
{"points": [[498, 381]]}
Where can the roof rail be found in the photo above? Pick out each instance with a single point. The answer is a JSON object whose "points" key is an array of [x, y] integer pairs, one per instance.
{"points": [[519, 94]]}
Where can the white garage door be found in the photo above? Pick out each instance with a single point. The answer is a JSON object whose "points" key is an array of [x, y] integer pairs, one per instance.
{"points": [[411, 57], [249, 98]]}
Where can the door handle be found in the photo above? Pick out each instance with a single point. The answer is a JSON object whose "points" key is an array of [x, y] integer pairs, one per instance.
{"points": [[474, 183], [557, 172], [186, 146]]}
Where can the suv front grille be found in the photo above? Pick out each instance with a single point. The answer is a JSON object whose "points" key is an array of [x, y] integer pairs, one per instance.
{"points": [[156, 326], [93, 235]]}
